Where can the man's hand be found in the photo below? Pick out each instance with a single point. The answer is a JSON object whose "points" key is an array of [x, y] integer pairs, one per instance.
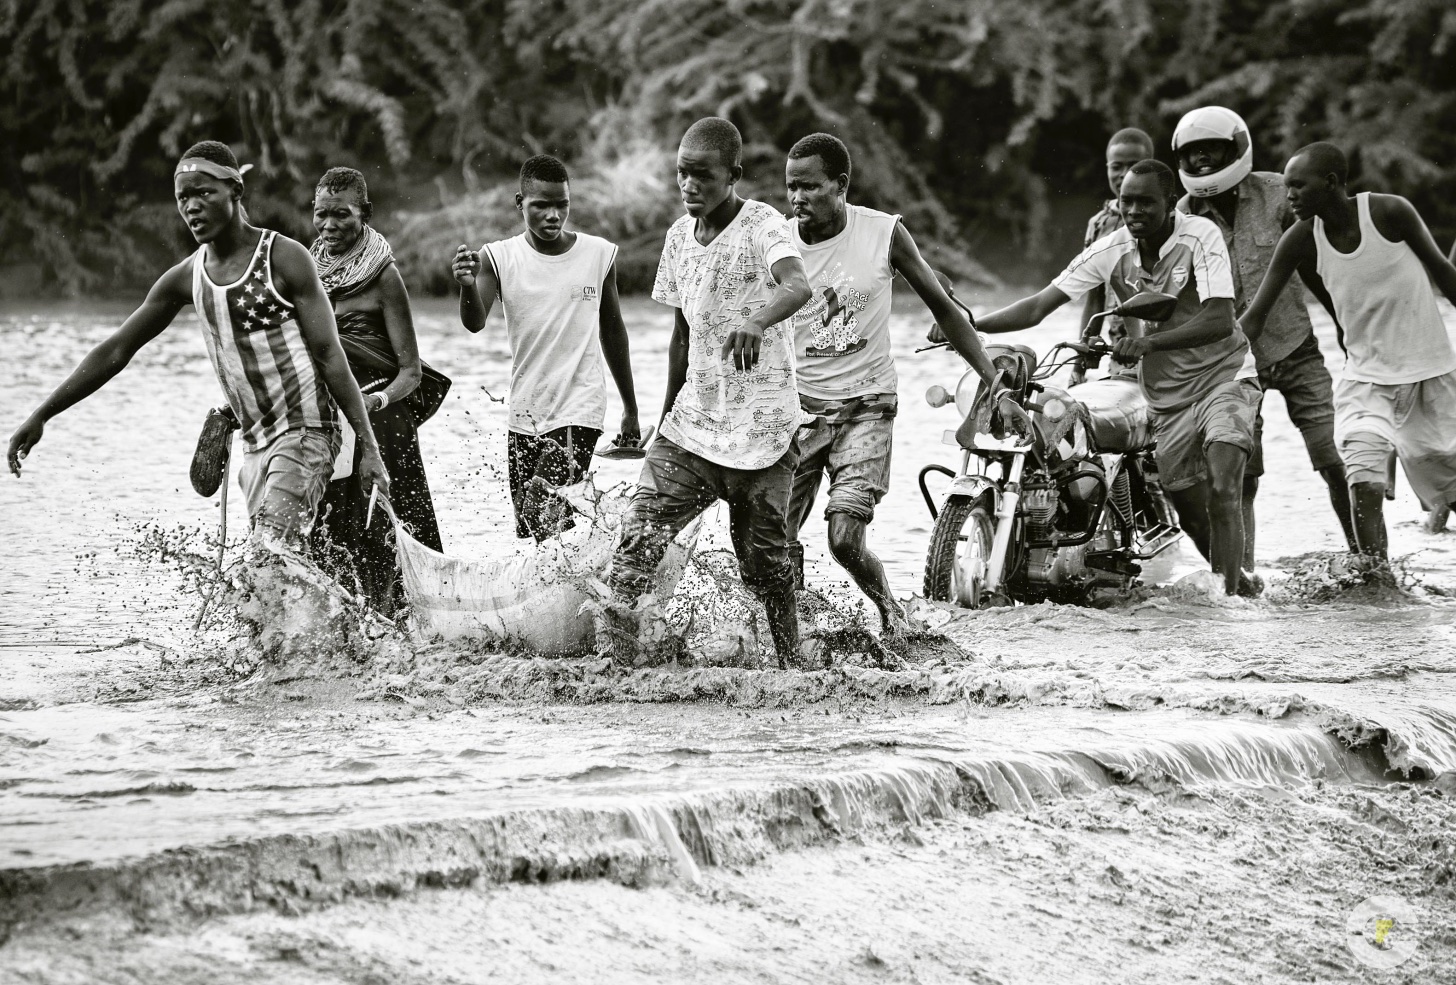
{"points": [[1129, 350], [742, 346], [372, 471], [465, 266], [935, 336], [22, 441], [630, 435]]}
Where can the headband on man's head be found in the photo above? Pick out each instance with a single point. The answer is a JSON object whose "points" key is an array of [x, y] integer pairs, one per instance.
{"points": [[202, 165]]}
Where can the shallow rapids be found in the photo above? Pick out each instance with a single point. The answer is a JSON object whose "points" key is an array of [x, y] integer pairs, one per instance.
{"points": [[1162, 758]]}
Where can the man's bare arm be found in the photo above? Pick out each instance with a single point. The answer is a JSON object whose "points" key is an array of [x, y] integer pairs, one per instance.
{"points": [[1295, 249], [906, 259], [320, 333], [1411, 230], [168, 295], [478, 287], [677, 360], [1025, 313], [742, 345], [617, 351]]}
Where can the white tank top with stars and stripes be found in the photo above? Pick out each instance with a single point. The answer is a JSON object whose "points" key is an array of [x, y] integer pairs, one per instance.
{"points": [[258, 351]]}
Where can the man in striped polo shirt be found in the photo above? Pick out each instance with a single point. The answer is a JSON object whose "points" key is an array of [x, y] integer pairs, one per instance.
{"points": [[1197, 371], [270, 332]]}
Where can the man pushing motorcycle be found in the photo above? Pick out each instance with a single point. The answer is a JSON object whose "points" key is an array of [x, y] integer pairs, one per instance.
{"points": [[1197, 371]]}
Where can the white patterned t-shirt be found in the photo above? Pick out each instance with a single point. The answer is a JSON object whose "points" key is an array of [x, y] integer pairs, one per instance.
{"points": [[744, 420]]}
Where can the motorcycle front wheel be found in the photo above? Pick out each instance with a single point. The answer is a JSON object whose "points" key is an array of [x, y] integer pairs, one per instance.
{"points": [[960, 550]]}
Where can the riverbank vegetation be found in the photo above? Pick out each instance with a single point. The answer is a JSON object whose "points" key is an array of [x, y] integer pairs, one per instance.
{"points": [[982, 121]]}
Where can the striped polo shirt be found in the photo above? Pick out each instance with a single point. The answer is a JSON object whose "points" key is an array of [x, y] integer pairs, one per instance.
{"points": [[1193, 266], [258, 351]]}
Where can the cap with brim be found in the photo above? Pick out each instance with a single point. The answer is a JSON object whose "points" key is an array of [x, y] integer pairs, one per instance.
{"points": [[201, 165]]}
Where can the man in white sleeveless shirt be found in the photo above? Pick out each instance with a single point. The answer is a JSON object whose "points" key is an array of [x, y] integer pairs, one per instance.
{"points": [[1397, 390], [846, 373], [270, 331], [559, 291]]}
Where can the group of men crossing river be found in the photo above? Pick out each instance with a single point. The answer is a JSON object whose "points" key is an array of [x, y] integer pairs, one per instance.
{"points": [[780, 367]]}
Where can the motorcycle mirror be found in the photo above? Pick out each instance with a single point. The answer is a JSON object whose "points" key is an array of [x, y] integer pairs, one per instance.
{"points": [[1149, 306]]}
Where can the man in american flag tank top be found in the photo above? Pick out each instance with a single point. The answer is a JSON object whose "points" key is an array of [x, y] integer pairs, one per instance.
{"points": [[270, 332]]}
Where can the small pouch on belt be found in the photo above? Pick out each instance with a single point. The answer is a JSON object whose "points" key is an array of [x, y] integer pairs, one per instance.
{"points": [[209, 461]]}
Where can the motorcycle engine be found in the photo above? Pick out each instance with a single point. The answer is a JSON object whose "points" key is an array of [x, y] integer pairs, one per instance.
{"points": [[1065, 512]]}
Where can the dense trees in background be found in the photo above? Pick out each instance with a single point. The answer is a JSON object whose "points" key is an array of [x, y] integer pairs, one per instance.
{"points": [[975, 118]]}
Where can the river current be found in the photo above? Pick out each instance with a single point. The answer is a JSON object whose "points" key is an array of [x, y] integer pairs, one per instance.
{"points": [[1163, 759]]}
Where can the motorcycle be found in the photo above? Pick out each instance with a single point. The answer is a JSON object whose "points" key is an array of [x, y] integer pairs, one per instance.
{"points": [[1056, 492]]}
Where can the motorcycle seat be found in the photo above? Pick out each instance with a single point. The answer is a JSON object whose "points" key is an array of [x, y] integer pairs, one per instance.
{"points": [[1119, 413]]}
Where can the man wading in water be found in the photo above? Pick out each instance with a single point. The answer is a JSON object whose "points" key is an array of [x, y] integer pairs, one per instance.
{"points": [[563, 317], [1197, 370], [1397, 391], [270, 332], [846, 375], [732, 275], [1215, 158]]}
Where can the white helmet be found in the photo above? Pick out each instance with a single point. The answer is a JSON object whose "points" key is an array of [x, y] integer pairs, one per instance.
{"points": [[1215, 123]]}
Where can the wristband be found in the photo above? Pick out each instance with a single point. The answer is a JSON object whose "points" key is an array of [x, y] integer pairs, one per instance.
{"points": [[383, 400]]}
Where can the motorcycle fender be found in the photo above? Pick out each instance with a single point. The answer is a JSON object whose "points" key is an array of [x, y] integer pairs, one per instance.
{"points": [[975, 485]]}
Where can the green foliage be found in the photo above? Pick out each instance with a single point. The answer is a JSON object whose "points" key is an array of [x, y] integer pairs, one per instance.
{"points": [[973, 118]]}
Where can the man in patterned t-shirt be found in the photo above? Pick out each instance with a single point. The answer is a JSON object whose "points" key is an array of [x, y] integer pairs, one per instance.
{"points": [[734, 280]]}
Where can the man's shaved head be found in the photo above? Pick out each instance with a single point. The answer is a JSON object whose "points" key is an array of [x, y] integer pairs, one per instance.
{"points": [[718, 135], [1324, 158]]}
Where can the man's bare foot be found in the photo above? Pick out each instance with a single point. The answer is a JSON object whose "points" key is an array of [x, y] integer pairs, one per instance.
{"points": [[1250, 585], [1436, 520]]}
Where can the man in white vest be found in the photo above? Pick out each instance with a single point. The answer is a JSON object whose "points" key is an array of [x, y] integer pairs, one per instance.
{"points": [[845, 371], [1397, 390]]}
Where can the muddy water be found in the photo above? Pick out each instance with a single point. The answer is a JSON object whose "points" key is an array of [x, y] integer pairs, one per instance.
{"points": [[1096, 728]]}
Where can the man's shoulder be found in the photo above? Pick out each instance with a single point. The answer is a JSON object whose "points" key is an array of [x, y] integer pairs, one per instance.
{"points": [[1201, 230], [596, 243], [1116, 242], [509, 243], [872, 215], [756, 213]]}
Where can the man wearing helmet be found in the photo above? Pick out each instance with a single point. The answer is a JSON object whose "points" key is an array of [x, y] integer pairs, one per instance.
{"points": [[1215, 163]]}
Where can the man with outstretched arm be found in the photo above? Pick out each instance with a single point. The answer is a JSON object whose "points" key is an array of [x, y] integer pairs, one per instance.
{"points": [[1215, 164], [559, 291], [269, 329], [1197, 371], [1377, 260], [733, 278], [846, 374]]}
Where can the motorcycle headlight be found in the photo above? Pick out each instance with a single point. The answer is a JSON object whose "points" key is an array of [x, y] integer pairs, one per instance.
{"points": [[966, 390]]}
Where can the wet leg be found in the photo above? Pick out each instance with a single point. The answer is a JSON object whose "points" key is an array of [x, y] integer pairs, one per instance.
{"points": [[1334, 476], [1251, 489], [1225, 511], [847, 542], [758, 504], [1368, 499]]}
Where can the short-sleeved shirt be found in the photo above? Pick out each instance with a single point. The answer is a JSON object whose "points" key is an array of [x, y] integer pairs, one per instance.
{"points": [[1192, 265], [1260, 218], [743, 420]]}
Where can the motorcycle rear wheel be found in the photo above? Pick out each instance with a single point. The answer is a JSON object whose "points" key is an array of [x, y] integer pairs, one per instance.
{"points": [[960, 550]]}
